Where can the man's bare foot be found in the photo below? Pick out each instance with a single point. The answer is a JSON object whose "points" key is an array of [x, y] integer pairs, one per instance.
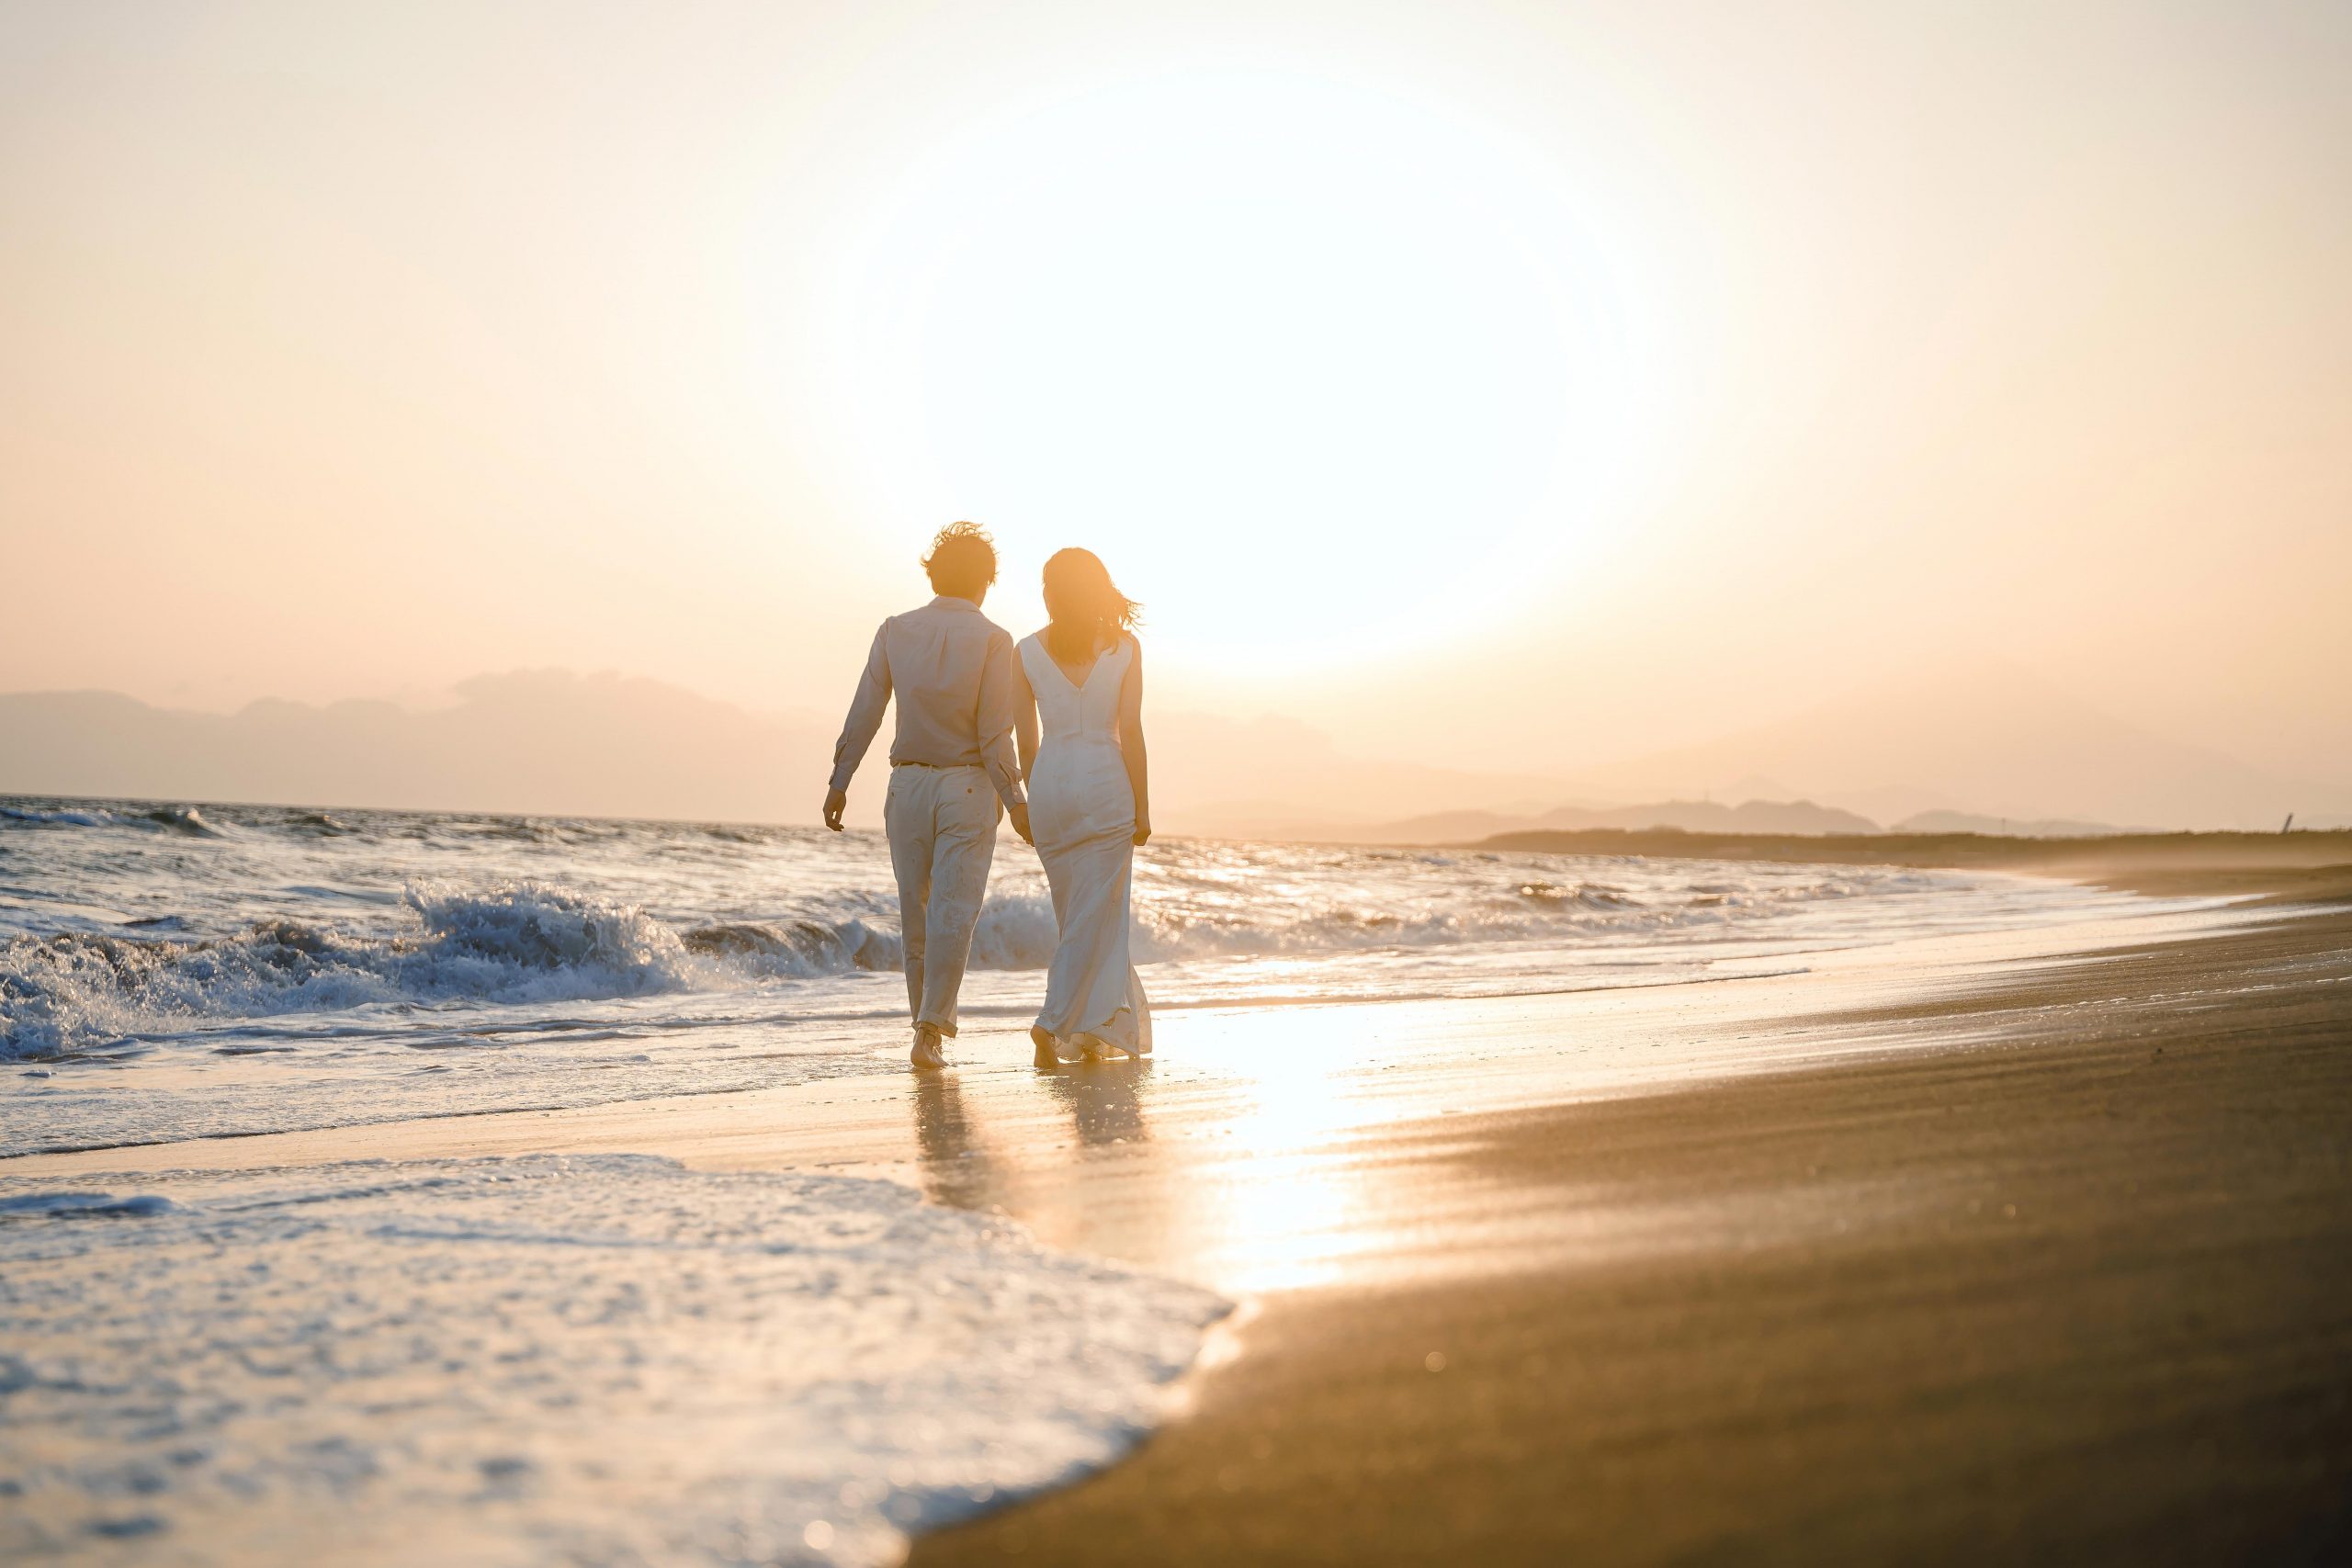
{"points": [[928, 1051], [1047, 1056]]}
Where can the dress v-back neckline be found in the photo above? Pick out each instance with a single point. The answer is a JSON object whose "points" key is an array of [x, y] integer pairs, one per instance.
{"points": [[1101, 654]]}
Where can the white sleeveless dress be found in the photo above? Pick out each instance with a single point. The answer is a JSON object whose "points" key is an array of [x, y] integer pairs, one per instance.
{"points": [[1082, 812]]}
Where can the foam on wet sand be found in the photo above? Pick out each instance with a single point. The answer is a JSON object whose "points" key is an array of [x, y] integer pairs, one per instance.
{"points": [[606, 1359]]}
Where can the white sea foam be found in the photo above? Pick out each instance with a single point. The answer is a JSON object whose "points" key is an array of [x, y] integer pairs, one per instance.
{"points": [[590, 1359]]}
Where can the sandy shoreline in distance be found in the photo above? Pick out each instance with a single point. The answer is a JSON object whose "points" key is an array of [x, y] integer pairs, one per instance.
{"points": [[1717, 1270], [2299, 865]]}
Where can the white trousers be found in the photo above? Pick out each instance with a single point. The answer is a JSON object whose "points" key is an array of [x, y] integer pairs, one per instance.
{"points": [[941, 823]]}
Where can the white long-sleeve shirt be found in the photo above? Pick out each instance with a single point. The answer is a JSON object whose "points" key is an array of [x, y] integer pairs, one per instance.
{"points": [[951, 669]]}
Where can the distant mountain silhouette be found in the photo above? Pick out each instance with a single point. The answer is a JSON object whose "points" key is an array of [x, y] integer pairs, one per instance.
{"points": [[1995, 740], [543, 741], [556, 742], [1277, 778], [2007, 827], [1796, 817]]}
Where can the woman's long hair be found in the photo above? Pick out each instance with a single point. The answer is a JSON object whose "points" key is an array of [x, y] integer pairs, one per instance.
{"points": [[1087, 609]]}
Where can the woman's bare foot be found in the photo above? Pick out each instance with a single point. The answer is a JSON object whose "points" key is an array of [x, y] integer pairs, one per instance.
{"points": [[1047, 1057], [1100, 1050]]}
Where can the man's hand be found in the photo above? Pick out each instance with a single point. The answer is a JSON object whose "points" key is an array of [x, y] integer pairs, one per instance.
{"points": [[836, 802], [1020, 815]]}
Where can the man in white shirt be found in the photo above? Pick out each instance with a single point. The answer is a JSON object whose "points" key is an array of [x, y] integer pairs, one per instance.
{"points": [[952, 761]]}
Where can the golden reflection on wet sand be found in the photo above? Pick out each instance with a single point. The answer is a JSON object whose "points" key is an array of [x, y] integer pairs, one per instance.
{"points": [[1262, 1150], [1259, 1165]]}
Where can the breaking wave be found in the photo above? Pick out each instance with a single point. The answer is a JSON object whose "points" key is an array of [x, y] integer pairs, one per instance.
{"points": [[124, 922], [536, 941], [523, 943], [186, 819]]}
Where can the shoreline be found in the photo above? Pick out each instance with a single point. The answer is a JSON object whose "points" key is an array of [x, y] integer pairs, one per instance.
{"points": [[997, 1023], [1219, 1056]]}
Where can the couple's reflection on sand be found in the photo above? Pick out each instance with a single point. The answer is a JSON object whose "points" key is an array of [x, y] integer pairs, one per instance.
{"points": [[1104, 1101]]}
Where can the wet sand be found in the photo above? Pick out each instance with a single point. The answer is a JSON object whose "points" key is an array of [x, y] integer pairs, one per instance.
{"points": [[2081, 1295], [1958, 1247]]}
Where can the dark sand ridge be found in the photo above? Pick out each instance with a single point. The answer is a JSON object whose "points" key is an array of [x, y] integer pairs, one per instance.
{"points": [[2082, 1296], [2284, 865]]}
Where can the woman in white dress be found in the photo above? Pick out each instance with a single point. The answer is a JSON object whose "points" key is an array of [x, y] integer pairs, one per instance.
{"points": [[1090, 806]]}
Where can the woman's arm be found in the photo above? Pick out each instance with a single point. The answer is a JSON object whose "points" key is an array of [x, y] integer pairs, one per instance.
{"points": [[1024, 716], [1131, 745]]}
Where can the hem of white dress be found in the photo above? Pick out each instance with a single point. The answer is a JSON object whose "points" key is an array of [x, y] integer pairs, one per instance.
{"points": [[1135, 1039]]}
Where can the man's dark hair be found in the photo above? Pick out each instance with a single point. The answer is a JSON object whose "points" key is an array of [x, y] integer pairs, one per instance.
{"points": [[962, 561]]}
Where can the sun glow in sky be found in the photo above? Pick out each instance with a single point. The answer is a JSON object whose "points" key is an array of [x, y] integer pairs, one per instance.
{"points": [[1260, 339], [1687, 363]]}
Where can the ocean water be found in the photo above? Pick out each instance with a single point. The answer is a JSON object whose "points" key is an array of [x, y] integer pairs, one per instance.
{"points": [[169, 971]]}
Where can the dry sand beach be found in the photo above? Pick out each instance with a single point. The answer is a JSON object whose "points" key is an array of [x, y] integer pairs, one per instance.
{"points": [[2032, 1245]]}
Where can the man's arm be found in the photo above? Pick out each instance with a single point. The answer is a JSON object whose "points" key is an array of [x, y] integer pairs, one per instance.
{"points": [[996, 719], [865, 721]]}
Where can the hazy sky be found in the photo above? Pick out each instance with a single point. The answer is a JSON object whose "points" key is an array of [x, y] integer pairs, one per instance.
{"points": [[1514, 386]]}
